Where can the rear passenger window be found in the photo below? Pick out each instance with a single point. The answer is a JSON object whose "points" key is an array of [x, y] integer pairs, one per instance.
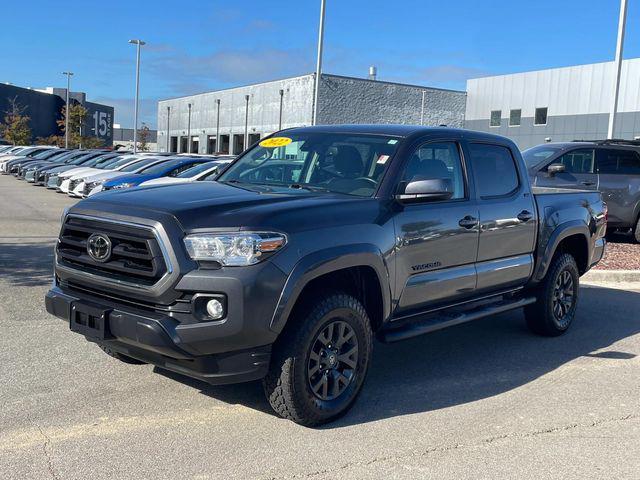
{"points": [[494, 170], [622, 162], [437, 160], [577, 161]]}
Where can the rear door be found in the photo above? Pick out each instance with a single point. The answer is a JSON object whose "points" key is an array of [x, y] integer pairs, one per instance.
{"points": [[619, 172], [580, 171], [508, 217]]}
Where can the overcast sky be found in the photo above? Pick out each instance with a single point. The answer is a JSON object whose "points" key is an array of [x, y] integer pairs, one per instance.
{"points": [[202, 45]]}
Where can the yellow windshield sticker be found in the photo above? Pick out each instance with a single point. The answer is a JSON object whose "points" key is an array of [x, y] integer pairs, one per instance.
{"points": [[275, 142]]}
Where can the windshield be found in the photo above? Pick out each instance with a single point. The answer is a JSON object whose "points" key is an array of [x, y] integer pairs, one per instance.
{"points": [[346, 163], [47, 153], [83, 158], [161, 167], [119, 162], [536, 155], [193, 171], [139, 165]]}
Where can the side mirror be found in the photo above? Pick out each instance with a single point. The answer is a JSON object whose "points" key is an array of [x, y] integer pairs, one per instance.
{"points": [[555, 168], [422, 189]]}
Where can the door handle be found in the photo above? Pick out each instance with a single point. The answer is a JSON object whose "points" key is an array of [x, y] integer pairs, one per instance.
{"points": [[525, 216], [588, 184], [468, 222]]}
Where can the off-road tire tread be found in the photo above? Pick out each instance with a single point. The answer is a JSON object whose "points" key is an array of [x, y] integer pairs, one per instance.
{"points": [[538, 315], [278, 384]]}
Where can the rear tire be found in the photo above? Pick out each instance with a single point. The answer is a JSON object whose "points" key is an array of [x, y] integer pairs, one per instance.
{"points": [[119, 356], [557, 298], [320, 361], [636, 231]]}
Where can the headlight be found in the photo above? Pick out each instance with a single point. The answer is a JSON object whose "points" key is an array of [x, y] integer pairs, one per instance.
{"points": [[92, 185], [234, 249], [124, 185]]}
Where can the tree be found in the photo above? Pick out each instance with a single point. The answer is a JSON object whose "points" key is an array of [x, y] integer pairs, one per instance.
{"points": [[143, 138], [15, 128], [77, 115]]}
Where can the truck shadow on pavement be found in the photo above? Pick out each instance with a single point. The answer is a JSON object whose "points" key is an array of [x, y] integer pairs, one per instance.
{"points": [[27, 264], [471, 362]]}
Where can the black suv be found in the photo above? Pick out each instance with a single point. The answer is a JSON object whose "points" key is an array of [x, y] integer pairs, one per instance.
{"points": [[610, 166]]}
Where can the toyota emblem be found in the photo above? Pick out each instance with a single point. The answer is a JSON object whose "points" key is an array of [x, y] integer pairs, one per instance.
{"points": [[99, 247]]}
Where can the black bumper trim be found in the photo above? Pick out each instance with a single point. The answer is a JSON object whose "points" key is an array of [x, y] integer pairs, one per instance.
{"points": [[148, 340]]}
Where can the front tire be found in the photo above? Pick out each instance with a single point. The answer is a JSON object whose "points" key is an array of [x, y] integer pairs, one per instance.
{"points": [[636, 231], [557, 298], [320, 362]]}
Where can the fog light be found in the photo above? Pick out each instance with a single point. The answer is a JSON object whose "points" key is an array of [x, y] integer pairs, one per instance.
{"points": [[215, 309]]}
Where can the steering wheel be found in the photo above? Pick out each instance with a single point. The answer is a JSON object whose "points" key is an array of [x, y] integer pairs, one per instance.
{"points": [[367, 179]]}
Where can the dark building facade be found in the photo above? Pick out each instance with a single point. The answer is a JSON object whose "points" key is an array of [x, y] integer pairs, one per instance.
{"points": [[45, 109]]}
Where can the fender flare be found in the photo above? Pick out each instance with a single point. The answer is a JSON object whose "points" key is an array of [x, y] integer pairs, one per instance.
{"points": [[326, 261], [562, 231]]}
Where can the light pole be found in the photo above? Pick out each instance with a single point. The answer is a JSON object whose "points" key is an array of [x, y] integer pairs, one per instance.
{"points": [[218, 127], [168, 135], [280, 118], [318, 62], [246, 124], [66, 108], [138, 43], [618, 67], [189, 129]]}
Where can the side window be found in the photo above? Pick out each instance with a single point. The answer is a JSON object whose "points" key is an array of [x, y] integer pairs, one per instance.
{"points": [[494, 170], [623, 162], [495, 118], [577, 161], [177, 171], [540, 116], [437, 160]]}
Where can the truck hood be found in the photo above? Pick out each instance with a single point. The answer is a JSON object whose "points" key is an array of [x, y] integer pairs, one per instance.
{"points": [[198, 205]]}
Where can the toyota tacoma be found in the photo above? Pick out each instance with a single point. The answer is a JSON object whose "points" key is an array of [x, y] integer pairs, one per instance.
{"points": [[314, 242]]}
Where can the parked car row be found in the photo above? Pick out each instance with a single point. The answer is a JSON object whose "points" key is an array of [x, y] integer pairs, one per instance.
{"points": [[82, 173]]}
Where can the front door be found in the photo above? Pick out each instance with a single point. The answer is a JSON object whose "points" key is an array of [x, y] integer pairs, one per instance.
{"points": [[436, 242], [579, 171], [508, 218]]}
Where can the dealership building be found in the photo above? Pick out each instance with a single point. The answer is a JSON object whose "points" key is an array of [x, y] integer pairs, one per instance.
{"points": [[44, 108], [559, 104], [228, 120]]}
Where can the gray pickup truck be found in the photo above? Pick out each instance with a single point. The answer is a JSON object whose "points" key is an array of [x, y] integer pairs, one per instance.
{"points": [[611, 167], [314, 242]]}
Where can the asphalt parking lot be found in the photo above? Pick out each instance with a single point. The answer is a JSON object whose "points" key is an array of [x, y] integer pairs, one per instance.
{"points": [[482, 400]]}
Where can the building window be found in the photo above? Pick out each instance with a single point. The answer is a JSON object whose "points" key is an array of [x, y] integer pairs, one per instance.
{"points": [[541, 116], [496, 115], [514, 117]]}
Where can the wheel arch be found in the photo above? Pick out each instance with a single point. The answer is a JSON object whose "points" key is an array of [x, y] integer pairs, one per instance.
{"points": [[571, 237], [331, 267]]}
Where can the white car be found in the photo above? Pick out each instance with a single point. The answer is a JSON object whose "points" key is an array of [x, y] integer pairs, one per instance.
{"points": [[17, 153], [201, 172], [93, 184], [97, 164], [78, 180]]}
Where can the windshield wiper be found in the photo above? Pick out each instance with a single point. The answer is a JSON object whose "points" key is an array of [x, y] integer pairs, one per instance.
{"points": [[311, 188]]}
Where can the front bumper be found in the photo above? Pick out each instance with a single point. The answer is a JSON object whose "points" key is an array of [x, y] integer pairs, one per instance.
{"points": [[155, 338]]}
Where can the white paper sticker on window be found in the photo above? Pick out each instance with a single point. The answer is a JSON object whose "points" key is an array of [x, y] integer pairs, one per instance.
{"points": [[382, 159]]}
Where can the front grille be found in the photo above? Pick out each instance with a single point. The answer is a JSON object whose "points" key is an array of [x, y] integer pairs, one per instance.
{"points": [[136, 256], [73, 184], [59, 181]]}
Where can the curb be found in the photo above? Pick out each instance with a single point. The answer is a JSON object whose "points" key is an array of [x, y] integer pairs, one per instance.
{"points": [[612, 276]]}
